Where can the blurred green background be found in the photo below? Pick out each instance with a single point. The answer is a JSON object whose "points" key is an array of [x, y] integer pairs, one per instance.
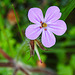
{"points": [[61, 58]]}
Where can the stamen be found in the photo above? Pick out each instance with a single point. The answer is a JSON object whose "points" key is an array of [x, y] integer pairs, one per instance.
{"points": [[45, 29], [40, 27], [41, 22]]}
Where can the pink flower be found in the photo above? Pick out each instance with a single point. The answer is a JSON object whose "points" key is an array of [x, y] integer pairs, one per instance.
{"points": [[47, 26]]}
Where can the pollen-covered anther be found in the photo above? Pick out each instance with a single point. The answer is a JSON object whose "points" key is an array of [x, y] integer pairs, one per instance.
{"points": [[40, 27], [44, 25], [45, 29], [41, 22]]}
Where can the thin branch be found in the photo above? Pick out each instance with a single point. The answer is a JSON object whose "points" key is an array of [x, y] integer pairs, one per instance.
{"points": [[15, 71], [2, 64], [5, 55], [41, 70], [24, 71]]}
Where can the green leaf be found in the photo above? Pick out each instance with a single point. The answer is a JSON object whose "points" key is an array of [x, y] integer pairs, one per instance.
{"points": [[64, 70], [72, 31], [72, 61], [67, 10]]}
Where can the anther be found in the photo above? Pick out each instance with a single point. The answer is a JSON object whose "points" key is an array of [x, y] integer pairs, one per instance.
{"points": [[40, 27], [41, 22], [45, 29]]}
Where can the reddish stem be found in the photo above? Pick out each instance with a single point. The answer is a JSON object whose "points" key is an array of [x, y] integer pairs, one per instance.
{"points": [[5, 55]]}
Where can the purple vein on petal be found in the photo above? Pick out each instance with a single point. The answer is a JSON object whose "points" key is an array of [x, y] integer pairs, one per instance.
{"points": [[36, 16], [51, 17], [36, 30], [54, 27]]}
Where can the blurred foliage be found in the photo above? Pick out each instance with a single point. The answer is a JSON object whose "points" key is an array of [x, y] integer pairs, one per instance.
{"points": [[61, 56]]}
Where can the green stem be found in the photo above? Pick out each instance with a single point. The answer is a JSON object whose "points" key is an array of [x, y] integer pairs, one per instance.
{"points": [[20, 51], [56, 50], [18, 23]]}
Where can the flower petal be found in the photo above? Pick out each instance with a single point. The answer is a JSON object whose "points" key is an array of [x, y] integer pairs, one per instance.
{"points": [[35, 15], [48, 39], [33, 31], [59, 27], [52, 14]]}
